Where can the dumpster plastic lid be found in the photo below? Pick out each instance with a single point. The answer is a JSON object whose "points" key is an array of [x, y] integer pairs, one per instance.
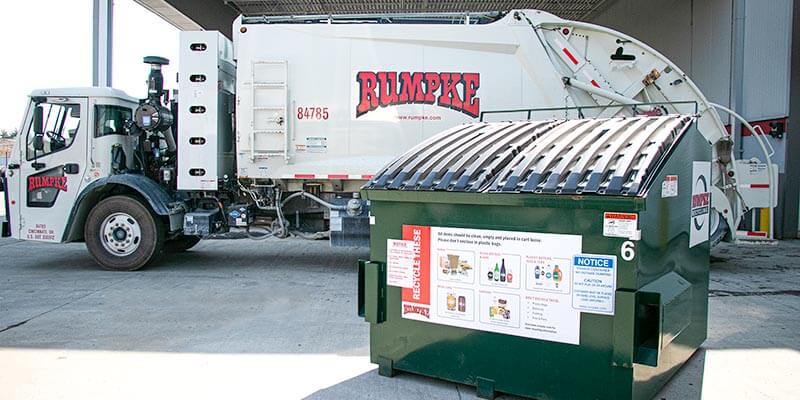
{"points": [[612, 156]]}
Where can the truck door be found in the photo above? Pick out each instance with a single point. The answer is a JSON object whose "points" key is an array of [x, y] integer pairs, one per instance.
{"points": [[51, 171]]}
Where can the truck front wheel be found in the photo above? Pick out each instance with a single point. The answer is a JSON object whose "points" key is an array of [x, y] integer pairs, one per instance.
{"points": [[123, 235]]}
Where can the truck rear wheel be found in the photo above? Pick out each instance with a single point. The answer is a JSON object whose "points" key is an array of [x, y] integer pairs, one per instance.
{"points": [[123, 235]]}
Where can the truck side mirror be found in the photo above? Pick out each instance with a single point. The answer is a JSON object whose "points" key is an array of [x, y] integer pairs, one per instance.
{"points": [[38, 142], [38, 123]]}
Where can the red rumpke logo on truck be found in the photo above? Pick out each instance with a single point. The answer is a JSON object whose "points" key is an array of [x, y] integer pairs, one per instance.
{"points": [[41, 182], [454, 90]]}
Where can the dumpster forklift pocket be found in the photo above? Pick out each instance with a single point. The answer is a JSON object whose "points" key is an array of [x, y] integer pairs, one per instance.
{"points": [[362, 264], [663, 311], [372, 291]]}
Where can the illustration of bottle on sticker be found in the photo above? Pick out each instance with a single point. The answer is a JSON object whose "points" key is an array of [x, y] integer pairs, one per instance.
{"points": [[500, 270], [548, 274]]}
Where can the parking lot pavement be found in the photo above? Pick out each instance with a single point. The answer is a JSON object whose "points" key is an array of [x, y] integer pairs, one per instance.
{"points": [[277, 319]]}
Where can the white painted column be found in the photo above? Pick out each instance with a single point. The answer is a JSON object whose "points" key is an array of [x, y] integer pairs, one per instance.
{"points": [[103, 28]]}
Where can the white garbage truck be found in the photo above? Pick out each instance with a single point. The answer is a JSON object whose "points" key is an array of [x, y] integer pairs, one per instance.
{"points": [[274, 133]]}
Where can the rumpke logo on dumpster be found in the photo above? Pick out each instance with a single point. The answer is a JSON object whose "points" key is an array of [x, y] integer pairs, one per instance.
{"points": [[424, 311], [416, 299], [700, 203]]}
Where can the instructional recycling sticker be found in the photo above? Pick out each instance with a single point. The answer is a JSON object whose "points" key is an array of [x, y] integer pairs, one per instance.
{"points": [[525, 284]]}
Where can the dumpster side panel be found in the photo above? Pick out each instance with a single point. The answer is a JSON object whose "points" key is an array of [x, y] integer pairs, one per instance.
{"points": [[673, 276]]}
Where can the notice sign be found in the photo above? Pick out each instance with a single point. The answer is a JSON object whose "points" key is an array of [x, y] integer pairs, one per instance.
{"points": [[400, 263], [624, 225], [514, 283], [594, 282]]}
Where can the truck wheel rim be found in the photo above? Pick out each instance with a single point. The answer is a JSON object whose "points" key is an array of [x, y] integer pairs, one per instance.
{"points": [[120, 234]]}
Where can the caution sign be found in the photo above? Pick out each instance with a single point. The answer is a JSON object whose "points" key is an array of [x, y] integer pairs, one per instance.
{"points": [[594, 283]]}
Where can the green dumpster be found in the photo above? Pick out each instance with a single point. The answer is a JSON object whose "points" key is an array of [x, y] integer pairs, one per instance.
{"points": [[560, 259]]}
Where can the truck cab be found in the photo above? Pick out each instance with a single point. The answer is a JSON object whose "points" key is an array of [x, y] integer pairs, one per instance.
{"points": [[47, 170], [69, 158]]}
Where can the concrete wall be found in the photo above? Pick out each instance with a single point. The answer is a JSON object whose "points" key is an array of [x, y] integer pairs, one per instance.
{"points": [[711, 48], [697, 35], [766, 63]]}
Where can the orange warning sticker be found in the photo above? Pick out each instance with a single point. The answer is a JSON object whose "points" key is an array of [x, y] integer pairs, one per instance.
{"points": [[624, 225]]}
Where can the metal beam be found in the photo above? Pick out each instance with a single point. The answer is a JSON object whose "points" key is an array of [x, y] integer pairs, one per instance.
{"points": [[212, 15], [219, 14], [195, 15], [170, 14], [737, 71], [102, 34], [791, 183]]}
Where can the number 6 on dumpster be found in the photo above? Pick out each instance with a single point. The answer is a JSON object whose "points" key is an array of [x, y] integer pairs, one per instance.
{"points": [[627, 251]]}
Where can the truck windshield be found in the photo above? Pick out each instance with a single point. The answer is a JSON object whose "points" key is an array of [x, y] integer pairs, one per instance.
{"points": [[110, 120]]}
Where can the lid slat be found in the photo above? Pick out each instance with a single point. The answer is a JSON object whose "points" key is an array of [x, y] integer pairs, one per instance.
{"points": [[612, 156]]}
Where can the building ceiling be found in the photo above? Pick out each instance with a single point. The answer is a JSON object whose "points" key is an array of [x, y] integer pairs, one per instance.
{"points": [[570, 9], [219, 14]]}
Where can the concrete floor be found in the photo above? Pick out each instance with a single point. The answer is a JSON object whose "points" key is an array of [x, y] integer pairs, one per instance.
{"points": [[277, 319]]}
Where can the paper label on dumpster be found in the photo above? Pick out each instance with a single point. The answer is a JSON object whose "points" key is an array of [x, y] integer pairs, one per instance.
{"points": [[594, 282], [617, 224], [669, 188], [514, 283], [400, 263]]}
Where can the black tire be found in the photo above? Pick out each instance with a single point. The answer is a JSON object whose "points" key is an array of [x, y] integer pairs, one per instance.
{"points": [[181, 243], [126, 251]]}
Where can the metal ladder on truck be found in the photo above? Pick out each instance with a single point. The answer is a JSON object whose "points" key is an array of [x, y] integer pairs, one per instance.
{"points": [[268, 136]]}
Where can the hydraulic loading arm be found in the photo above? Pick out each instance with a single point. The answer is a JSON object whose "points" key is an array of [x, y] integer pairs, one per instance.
{"points": [[601, 67]]}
